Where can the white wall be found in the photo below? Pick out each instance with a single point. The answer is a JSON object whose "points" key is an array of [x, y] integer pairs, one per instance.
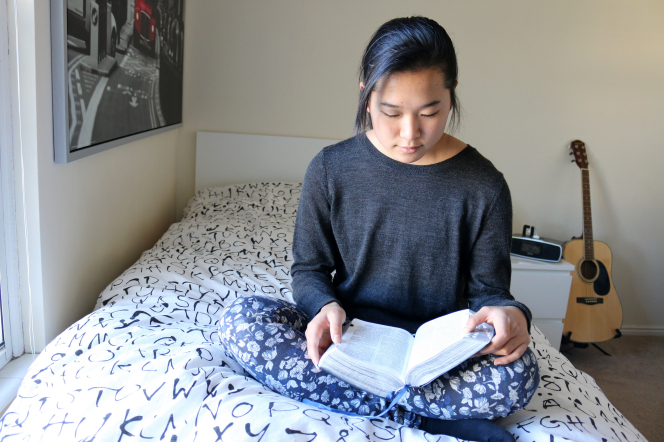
{"points": [[87, 220], [533, 77]]}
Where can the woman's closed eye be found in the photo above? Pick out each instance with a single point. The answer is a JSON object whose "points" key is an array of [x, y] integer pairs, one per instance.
{"points": [[424, 115]]}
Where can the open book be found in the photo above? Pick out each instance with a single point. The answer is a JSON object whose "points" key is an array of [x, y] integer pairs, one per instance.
{"points": [[382, 359]]}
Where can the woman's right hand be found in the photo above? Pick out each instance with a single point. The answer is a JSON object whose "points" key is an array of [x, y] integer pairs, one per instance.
{"points": [[324, 329]]}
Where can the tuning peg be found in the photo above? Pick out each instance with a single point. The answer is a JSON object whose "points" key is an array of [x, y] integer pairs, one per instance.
{"points": [[571, 153], [572, 161]]}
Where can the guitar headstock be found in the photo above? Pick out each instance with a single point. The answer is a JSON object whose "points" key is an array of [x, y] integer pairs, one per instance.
{"points": [[579, 150]]}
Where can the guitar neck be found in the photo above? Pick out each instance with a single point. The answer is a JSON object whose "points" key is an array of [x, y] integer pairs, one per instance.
{"points": [[589, 251]]}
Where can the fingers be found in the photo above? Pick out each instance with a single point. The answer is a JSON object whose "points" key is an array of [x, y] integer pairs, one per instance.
{"points": [[511, 335], [504, 349], [475, 320], [516, 354], [324, 329], [499, 341], [313, 337], [315, 334], [336, 319]]}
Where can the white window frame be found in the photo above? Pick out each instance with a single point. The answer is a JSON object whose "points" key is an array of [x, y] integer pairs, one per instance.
{"points": [[9, 257]]}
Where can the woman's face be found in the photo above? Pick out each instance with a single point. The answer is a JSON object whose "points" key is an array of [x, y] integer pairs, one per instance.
{"points": [[409, 113]]}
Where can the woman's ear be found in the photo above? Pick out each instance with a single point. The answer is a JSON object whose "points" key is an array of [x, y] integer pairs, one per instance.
{"points": [[456, 84], [362, 88]]}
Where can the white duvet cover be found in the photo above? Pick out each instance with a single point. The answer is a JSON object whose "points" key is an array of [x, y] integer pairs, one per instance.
{"points": [[147, 364]]}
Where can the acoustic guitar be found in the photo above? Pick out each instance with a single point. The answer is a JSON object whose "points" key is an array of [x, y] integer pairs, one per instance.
{"points": [[594, 313]]}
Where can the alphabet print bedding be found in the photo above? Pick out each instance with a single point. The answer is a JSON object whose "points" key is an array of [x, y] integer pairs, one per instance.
{"points": [[147, 363]]}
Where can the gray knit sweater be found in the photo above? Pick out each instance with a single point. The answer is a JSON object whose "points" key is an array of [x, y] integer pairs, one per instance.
{"points": [[406, 243]]}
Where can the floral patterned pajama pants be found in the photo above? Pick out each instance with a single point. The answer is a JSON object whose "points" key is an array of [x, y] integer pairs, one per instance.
{"points": [[266, 337]]}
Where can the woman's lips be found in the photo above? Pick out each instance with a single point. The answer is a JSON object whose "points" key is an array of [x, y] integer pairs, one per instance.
{"points": [[406, 149]]}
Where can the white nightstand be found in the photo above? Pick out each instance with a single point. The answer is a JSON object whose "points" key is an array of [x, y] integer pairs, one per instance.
{"points": [[544, 288]]}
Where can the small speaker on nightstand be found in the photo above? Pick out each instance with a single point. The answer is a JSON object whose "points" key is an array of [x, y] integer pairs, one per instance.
{"points": [[530, 245]]}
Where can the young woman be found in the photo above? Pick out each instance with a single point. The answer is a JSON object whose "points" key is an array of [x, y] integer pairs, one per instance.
{"points": [[398, 225]]}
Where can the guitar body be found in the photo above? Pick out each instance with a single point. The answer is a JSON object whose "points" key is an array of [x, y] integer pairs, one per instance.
{"points": [[599, 314]]}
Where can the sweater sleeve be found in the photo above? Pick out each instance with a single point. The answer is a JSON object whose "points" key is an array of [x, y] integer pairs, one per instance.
{"points": [[314, 246], [490, 269]]}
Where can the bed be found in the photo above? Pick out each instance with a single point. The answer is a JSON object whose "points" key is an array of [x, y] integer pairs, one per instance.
{"points": [[147, 363]]}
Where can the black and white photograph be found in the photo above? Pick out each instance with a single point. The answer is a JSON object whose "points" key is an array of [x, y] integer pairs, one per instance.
{"points": [[123, 72]]}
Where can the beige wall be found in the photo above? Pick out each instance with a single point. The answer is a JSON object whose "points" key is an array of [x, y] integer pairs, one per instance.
{"points": [[87, 220], [98, 214], [533, 77]]}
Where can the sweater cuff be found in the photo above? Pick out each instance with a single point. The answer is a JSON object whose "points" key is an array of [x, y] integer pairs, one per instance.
{"points": [[312, 304]]}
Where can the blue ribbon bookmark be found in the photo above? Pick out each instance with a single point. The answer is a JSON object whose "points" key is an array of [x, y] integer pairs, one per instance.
{"points": [[393, 397]]}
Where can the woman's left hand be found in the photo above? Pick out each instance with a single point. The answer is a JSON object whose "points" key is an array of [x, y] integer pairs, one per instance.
{"points": [[511, 338]]}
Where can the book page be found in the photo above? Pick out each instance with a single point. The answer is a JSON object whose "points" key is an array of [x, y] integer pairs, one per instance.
{"points": [[365, 376], [452, 356], [377, 344], [436, 335]]}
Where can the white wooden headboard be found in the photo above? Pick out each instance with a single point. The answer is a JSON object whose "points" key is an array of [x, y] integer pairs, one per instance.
{"points": [[224, 158]]}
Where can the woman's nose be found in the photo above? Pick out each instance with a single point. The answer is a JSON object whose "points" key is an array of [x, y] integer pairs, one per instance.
{"points": [[410, 128]]}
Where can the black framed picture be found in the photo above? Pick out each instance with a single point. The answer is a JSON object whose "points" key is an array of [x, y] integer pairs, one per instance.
{"points": [[117, 72]]}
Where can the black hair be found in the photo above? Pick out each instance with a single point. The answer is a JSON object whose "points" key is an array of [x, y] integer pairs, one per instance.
{"points": [[407, 44]]}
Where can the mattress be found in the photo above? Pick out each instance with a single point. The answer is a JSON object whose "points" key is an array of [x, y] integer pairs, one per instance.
{"points": [[147, 363]]}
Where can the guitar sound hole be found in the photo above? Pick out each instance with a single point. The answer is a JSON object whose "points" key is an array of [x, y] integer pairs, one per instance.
{"points": [[588, 270]]}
